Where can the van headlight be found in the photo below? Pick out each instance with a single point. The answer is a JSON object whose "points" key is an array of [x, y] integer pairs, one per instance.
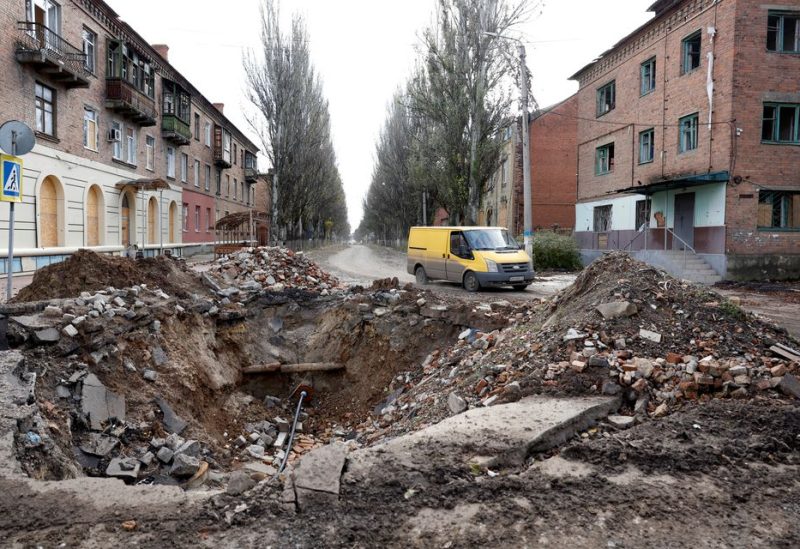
{"points": [[491, 266]]}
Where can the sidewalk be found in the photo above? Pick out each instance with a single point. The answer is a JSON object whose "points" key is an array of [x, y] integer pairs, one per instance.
{"points": [[19, 282]]}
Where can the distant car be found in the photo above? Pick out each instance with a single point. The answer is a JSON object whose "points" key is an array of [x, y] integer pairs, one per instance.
{"points": [[472, 256]]}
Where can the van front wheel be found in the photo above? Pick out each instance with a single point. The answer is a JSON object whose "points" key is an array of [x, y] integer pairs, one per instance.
{"points": [[422, 276], [471, 282]]}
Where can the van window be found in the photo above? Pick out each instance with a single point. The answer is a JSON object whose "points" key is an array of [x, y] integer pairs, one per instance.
{"points": [[458, 245]]}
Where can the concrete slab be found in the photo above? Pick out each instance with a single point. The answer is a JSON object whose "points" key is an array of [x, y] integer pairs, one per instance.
{"points": [[16, 403], [317, 475], [99, 404], [498, 436]]}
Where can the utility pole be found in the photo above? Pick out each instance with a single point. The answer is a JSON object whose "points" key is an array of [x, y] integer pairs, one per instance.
{"points": [[424, 208], [526, 157]]}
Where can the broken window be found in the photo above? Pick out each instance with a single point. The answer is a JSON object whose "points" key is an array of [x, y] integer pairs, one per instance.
{"points": [[779, 210], [602, 219], [643, 214], [781, 123], [606, 98], [648, 76], [688, 133], [691, 52], [604, 162], [647, 147], [783, 32]]}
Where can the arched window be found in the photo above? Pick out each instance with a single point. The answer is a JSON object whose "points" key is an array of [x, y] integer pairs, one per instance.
{"points": [[173, 218], [95, 217], [152, 220], [126, 219], [51, 222]]}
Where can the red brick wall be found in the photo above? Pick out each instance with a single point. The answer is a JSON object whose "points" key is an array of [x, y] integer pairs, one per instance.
{"points": [[675, 95], [553, 156], [760, 76]]}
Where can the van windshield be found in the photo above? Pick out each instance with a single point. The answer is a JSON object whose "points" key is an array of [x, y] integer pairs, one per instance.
{"points": [[490, 239]]}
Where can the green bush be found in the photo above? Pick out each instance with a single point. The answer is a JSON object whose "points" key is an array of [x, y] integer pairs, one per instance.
{"points": [[555, 251]]}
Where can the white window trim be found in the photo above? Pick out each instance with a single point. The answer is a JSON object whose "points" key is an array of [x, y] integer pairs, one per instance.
{"points": [[170, 167], [131, 158], [150, 153], [197, 173], [184, 167], [96, 120]]}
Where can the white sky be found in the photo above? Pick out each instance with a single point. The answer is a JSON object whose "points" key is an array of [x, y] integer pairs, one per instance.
{"points": [[364, 50]]}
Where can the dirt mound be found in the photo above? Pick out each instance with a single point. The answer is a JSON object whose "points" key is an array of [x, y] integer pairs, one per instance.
{"points": [[87, 271]]}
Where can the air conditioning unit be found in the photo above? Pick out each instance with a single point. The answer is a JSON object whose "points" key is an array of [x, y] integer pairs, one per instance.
{"points": [[114, 134]]}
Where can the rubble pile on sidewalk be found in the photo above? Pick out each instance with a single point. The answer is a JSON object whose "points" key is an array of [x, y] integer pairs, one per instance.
{"points": [[623, 328], [274, 269]]}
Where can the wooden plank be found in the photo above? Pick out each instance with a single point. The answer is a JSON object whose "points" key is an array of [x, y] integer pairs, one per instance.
{"points": [[784, 353]]}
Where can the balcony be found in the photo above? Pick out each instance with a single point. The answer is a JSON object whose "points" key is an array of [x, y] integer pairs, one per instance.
{"points": [[127, 101], [175, 130], [51, 55], [250, 175]]}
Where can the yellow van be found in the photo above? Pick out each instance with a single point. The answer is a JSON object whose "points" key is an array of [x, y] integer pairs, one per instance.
{"points": [[472, 256]]}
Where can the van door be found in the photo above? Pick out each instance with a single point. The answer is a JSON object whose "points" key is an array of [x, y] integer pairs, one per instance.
{"points": [[457, 255], [436, 253]]}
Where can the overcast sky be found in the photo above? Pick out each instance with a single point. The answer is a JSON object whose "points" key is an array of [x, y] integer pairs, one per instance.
{"points": [[364, 50]]}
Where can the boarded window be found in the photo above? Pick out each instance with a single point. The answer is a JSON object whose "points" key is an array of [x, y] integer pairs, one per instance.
{"points": [[602, 219], [779, 210]]}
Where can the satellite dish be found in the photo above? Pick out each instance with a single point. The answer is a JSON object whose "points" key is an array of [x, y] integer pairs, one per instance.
{"points": [[15, 132]]}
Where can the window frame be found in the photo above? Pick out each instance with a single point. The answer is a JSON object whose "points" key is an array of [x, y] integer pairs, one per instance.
{"points": [[785, 213], [602, 92], [117, 150], [89, 40], [197, 217], [643, 211], [601, 159], [87, 110], [41, 110], [207, 134], [208, 177], [780, 30], [776, 123], [694, 119], [651, 133], [609, 219], [650, 65], [169, 154], [686, 54], [184, 167], [149, 152], [186, 217], [131, 152], [196, 126], [197, 173]]}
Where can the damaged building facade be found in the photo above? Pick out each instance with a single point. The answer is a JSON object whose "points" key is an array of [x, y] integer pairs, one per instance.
{"points": [[688, 134], [129, 154]]}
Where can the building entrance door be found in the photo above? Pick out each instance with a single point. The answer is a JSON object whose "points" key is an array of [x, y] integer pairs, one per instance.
{"points": [[125, 222], [684, 221]]}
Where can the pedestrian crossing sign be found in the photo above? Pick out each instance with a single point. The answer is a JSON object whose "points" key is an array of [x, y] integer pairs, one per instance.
{"points": [[12, 178]]}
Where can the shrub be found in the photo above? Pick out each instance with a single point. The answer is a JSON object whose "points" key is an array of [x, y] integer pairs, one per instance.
{"points": [[555, 251]]}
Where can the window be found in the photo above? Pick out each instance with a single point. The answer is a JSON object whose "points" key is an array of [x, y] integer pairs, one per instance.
{"points": [[687, 128], [602, 219], [604, 159], [690, 50], [235, 187], [218, 185], [116, 144], [226, 146], [209, 221], [185, 216], [90, 128], [648, 76], [196, 173], [171, 162], [235, 153], [208, 177], [458, 245], [647, 146], [197, 219], [130, 143], [125, 63], [783, 32], [45, 110], [207, 134], [89, 48], [780, 123], [241, 190], [196, 127], [606, 98], [150, 152], [643, 213], [227, 185], [779, 210], [184, 167]]}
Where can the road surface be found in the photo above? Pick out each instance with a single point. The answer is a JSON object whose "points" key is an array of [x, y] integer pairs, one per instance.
{"points": [[360, 264]]}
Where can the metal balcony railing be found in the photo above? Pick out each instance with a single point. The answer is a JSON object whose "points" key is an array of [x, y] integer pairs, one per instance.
{"points": [[124, 98], [39, 45]]}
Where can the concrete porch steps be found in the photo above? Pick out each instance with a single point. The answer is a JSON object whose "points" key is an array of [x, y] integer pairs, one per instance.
{"points": [[693, 267]]}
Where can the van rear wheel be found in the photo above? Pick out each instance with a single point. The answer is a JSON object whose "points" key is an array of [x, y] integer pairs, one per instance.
{"points": [[422, 276], [471, 282]]}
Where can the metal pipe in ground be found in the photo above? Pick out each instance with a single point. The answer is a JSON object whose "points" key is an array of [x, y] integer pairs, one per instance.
{"points": [[303, 395]]}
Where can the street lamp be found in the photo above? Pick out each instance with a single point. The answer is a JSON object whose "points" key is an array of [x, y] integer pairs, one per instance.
{"points": [[526, 160]]}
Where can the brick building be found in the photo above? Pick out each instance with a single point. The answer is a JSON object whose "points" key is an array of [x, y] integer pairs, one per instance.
{"points": [[129, 152], [688, 141], [498, 201]]}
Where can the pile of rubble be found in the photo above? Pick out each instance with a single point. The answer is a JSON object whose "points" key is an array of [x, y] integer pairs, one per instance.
{"points": [[623, 328], [274, 269]]}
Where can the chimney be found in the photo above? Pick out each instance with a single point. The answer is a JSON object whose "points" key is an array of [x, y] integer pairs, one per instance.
{"points": [[162, 50], [220, 107]]}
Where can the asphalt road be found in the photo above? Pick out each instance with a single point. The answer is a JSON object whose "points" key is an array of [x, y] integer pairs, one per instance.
{"points": [[361, 264]]}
